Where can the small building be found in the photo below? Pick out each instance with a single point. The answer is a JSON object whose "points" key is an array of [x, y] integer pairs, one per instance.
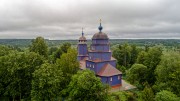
{"points": [[99, 58]]}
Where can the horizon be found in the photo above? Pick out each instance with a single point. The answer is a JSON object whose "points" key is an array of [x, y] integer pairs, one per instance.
{"points": [[91, 39]]}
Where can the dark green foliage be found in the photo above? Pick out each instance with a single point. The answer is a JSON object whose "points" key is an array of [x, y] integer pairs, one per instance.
{"points": [[85, 86], [126, 55], [123, 96], [147, 94], [68, 64], [63, 49], [166, 96], [52, 50], [4, 50], [46, 83], [121, 68], [137, 74], [39, 46], [22, 75], [151, 59], [134, 54], [168, 73], [16, 73], [56, 55]]}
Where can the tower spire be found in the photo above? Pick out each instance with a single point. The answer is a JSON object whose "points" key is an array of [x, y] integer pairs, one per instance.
{"points": [[100, 27], [82, 32]]}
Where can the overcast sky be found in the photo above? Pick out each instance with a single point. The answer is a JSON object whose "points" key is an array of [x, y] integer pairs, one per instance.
{"points": [[64, 19]]}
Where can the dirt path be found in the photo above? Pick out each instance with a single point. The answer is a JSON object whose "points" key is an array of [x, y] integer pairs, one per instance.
{"points": [[125, 86]]}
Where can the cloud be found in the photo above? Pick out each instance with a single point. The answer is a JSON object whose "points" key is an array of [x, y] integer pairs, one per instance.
{"points": [[63, 19]]}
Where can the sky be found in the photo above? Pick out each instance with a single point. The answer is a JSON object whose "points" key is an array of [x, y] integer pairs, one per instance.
{"points": [[64, 19]]}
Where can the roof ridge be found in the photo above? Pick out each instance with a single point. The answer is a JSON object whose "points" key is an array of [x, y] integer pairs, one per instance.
{"points": [[108, 70]]}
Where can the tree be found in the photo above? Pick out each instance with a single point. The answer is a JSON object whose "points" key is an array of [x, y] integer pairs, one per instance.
{"points": [[39, 46], [68, 64], [46, 83], [151, 59], [141, 57], [122, 96], [85, 86], [137, 74], [4, 50], [168, 73], [134, 54], [57, 54], [123, 54], [147, 94], [63, 49], [52, 50], [16, 71], [166, 96]]}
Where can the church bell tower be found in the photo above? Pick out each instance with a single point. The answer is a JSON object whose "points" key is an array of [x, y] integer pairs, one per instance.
{"points": [[82, 48]]}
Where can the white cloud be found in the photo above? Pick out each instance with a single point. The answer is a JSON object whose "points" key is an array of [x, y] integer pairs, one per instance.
{"points": [[62, 19]]}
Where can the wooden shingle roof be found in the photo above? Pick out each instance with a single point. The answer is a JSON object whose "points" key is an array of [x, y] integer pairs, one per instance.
{"points": [[108, 70]]}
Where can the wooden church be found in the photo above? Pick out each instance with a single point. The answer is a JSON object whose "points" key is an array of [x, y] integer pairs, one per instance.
{"points": [[99, 58]]}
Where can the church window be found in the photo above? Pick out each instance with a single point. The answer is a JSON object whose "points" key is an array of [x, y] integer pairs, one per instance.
{"points": [[90, 65], [118, 77], [111, 79], [92, 47], [93, 66]]}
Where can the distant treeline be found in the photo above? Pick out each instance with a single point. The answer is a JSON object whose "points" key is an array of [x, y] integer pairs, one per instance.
{"points": [[139, 42]]}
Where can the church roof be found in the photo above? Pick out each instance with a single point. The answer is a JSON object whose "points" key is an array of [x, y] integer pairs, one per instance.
{"points": [[100, 35], [82, 38], [108, 70]]}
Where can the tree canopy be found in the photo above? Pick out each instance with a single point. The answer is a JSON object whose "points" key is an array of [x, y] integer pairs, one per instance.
{"points": [[85, 86], [165, 95], [39, 46], [46, 83], [168, 73]]}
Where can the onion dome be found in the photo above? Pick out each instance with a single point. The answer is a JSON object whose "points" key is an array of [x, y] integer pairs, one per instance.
{"points": [[82, 38], [100, 34]]}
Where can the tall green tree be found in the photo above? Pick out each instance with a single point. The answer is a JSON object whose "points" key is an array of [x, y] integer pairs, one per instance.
{"points": [[168, 73], [137, 74], [85, 86], [147, 94], [165, 95], [4, 50], [123, 54], [46, 83], [63, 49], [134, 53], [69, 65], [16, 73], [151, 59], [39, 46]]}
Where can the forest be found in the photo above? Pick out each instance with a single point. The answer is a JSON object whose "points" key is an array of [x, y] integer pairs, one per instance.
{"points": [[48, 70]]}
